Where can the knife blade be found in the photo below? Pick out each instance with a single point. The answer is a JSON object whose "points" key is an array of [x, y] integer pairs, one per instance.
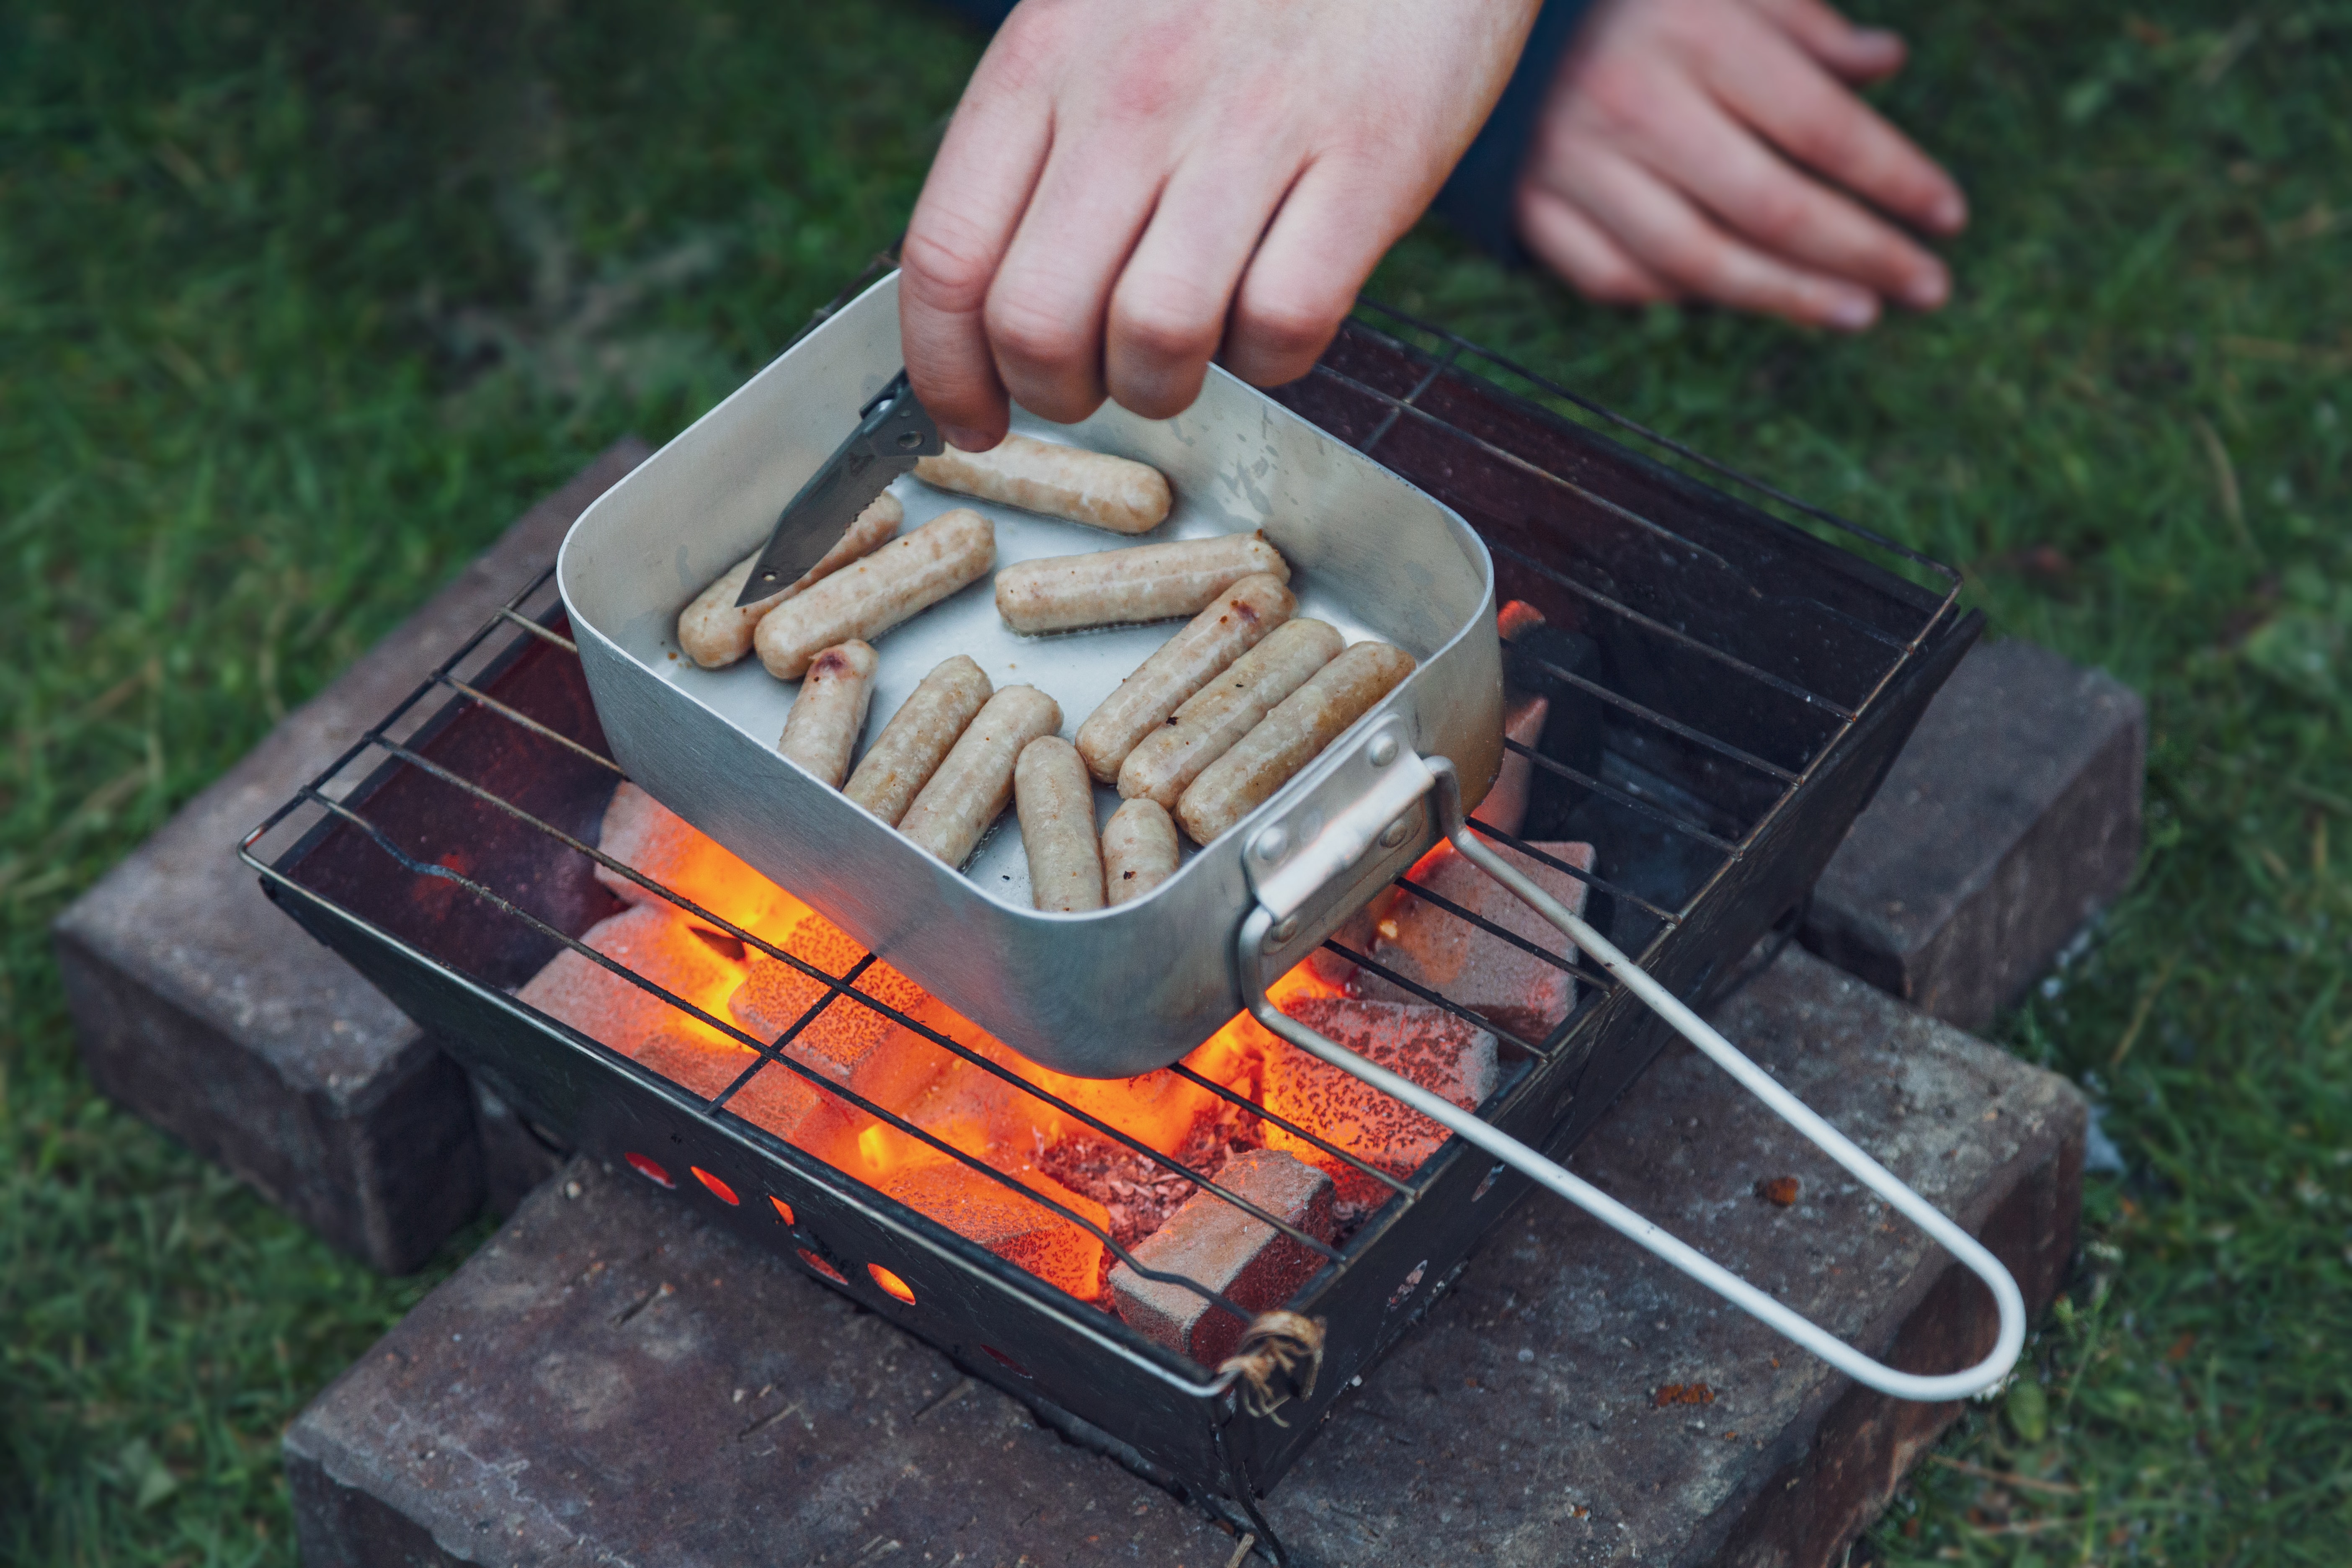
{"points": [[893, 431]]}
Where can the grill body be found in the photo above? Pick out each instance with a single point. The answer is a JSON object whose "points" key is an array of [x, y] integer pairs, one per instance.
{"points": [[1755, 682]]}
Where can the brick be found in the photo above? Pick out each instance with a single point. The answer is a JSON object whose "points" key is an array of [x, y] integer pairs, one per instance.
{"points": [[197, 1009], [2009, 819], [551, 1401], [1503, 984], [1434, 1048], [1214, 1243]]}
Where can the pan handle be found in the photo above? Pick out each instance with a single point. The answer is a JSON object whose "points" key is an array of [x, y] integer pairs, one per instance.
{"points": [[1251, 946]]}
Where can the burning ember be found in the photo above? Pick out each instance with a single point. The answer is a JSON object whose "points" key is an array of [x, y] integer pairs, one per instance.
{"points": [[1141, 1205]]}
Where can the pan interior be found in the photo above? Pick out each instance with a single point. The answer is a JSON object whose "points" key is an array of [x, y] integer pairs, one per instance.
{"points": [[1234, 462]]}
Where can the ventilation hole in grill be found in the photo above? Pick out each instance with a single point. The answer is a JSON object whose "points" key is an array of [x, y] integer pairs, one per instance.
{"points": [[783, 1210], [648, 1169], [892, 1283], [719, 941], [719, 1189], [822, 1266], [1006, 1361], [1487, 1184]]}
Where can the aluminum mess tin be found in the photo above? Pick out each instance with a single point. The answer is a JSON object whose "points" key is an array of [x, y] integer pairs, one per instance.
{"points": [[1108, 992]]}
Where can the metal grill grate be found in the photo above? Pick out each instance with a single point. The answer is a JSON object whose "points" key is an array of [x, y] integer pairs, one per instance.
{"points": [[1696, 800]]}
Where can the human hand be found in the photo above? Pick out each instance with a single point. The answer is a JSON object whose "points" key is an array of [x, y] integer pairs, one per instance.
{"points": [[1697, 148], [1130, 187]]}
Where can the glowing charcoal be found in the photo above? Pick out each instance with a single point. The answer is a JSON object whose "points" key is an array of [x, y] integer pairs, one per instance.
{"points": [[780, 1101], [656, 945], [1501, 983], [646, 836], [1429, 1046], [1026, 1233], [867, 1052], [1228, 1250]]}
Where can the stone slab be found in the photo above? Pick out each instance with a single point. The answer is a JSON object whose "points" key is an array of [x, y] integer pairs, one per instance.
{"points": [[610, 1380], [2010, 818], [199, 1009]]}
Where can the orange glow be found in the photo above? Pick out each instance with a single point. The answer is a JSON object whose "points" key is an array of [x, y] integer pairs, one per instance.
{"points": [[1000, 1124], [822, 1266]]}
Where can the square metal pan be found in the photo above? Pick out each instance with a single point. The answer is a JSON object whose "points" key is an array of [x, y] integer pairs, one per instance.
{"points": [[1107, 994]]}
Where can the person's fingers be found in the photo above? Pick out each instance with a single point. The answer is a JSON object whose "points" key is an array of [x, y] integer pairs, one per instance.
{"points": [[1664, 233], [1332, 227], [1774, 87], [1723, 165], [1857, 54], [1169, 310], [1045, 308], [971, 204], [1582, 253]]}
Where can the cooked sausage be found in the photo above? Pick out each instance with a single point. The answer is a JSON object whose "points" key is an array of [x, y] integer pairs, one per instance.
{"points": [[908, 751], [1094, 487], [821, 732], [868, 597], [1165, 762], [972, 786], [715, 634], [1056, 804], [1186, 662], [1145, 583], [1140, 849], [1290, 736]]}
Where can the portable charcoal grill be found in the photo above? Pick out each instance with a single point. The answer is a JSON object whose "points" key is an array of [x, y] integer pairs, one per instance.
{"points": [[1754, 684]]}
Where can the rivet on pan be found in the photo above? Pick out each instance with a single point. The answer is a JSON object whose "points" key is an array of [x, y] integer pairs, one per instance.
{"points": [[1283, 930], [1394, 833], [1271, 844], [1383, 752]]}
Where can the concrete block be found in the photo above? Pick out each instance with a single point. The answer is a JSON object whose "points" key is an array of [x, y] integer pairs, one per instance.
{"points": [[199, 1009], [2010, 818], [610, 1380]]}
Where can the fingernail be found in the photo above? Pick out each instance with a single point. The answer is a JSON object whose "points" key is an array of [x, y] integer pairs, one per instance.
{"points": [[965, 438], [1928, 291], [1851, 311]]}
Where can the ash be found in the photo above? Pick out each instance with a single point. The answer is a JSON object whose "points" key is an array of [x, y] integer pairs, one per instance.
{"points": [[1141, 1194]]}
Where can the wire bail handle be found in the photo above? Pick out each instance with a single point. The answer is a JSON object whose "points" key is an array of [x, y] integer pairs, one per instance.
{"points": [[1250, 945]]}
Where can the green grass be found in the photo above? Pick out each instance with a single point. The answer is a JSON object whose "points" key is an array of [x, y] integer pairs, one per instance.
{"points": [[297, 307]]}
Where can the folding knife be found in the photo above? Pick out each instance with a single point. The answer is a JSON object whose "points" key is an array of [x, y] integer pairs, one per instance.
{"points": [[893, 431]]}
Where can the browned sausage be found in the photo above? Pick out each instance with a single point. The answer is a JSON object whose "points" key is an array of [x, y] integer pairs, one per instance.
{"points": [[1140, 850], [715, 634], [1165, 762], [1056, 803], [1094, 488], [908, 751], [821, 732], [1228, 628], [869, 597], [1119, 588], [1288, 737], [972, 786]]}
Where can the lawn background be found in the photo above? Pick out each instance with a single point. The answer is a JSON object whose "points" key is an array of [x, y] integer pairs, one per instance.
{"points": [[299, 305]]}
